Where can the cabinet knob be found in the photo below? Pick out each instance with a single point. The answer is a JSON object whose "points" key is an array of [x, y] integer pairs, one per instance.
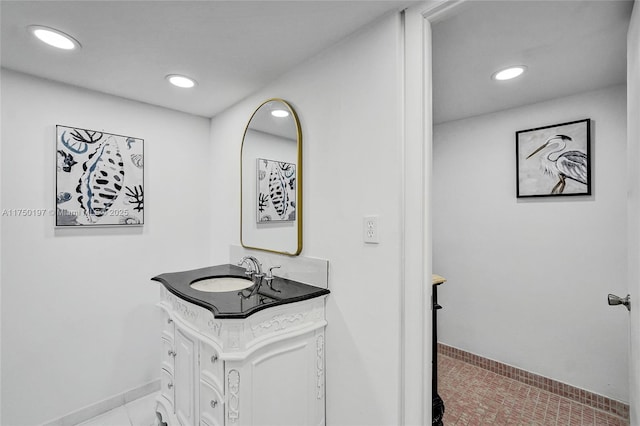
{"points": [[171, 353], [214, 403], [169, 385], [214, 358], [169, 320]]}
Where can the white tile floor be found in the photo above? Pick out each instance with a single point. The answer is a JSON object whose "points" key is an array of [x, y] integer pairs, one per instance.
{"points": [[141, 412]]}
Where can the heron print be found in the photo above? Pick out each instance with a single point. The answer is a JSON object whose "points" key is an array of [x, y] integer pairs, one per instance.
{"points": [[554, 160]]}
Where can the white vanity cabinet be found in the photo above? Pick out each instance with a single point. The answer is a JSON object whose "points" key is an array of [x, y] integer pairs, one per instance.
{"points": [[266, 369]]}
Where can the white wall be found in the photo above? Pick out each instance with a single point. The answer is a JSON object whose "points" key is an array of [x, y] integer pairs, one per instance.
{"points": [[528, 278], [348, 100], [78, 318]]}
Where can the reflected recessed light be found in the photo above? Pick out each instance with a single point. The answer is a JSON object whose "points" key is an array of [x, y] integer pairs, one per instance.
{"points": [[280, 113], [509, 73], [181, 81], [54, 37]]}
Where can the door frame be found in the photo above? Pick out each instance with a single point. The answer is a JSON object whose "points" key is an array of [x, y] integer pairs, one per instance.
{"points": [[416, 351], [633, 209]]}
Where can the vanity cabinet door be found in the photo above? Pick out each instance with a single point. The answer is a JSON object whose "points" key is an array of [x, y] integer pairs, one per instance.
{"points": [[184, 377], [282, 384]]}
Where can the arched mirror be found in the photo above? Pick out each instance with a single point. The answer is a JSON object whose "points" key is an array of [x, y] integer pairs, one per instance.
{"points": [[271, 180]]}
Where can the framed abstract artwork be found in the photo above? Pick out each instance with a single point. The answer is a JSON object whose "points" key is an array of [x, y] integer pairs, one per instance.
{"points": [[276, 191], [99, 178], [554, 160]]}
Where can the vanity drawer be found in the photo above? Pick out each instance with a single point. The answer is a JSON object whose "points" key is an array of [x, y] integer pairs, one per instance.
{"points": [[166, 385], [168, 327], [211, 366], [211, 405], [167, 355]]}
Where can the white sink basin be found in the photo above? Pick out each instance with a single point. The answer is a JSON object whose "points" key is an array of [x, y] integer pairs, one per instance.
{"points": [[221, 284]]}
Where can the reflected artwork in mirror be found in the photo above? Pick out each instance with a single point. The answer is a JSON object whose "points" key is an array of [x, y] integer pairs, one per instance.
{"points": [[271, 180]]}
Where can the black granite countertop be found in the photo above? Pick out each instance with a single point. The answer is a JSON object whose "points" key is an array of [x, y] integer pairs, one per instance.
{"points": [[236, 304]]}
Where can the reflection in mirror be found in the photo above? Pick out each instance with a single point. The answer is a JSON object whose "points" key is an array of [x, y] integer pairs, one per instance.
{"points": [[271, 180]]}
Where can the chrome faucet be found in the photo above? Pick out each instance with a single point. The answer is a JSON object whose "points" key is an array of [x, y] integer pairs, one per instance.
{"points": [[254, 271], [254, 268]]}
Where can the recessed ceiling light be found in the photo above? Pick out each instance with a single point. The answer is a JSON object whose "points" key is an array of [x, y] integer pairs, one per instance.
{"points": [[53, 37], [181, 81], [280, 113], [509, 73]]}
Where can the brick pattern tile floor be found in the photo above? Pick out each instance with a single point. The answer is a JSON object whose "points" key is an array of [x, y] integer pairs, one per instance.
{"points": [[475, 396]]}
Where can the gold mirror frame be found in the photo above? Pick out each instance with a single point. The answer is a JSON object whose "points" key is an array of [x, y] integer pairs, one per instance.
{"points": [[244, 193]]}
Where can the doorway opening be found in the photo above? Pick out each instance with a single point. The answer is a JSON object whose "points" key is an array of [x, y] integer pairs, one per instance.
{"points": [[527, 279]]}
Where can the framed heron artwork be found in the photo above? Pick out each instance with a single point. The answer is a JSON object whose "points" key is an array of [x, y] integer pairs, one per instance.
{"points": [[99, 178], [554, 160]]}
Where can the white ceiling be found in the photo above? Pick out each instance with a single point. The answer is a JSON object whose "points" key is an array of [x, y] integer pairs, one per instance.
{"points": [[232, 48], [568, 47]]}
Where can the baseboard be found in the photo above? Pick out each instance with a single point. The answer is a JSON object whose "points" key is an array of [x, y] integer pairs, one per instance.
{"points": [[600, 402], [105, 405]]}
